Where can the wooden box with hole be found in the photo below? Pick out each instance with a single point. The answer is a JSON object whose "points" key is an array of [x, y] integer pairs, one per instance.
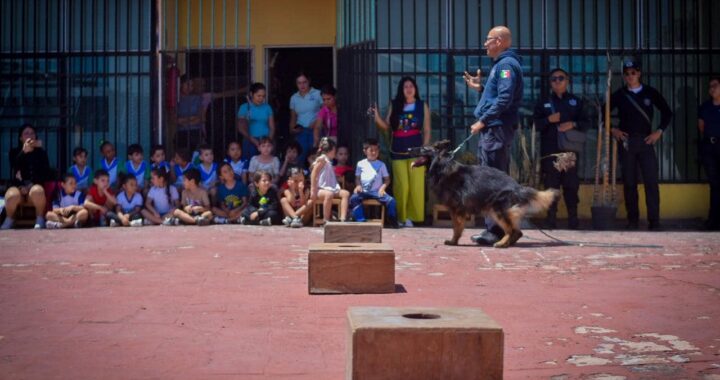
{"points": [[337, 268], [352, 232], [423, 343]]}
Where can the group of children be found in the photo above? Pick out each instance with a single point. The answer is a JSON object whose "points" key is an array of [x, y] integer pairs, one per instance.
{"points": [[194, 189]]}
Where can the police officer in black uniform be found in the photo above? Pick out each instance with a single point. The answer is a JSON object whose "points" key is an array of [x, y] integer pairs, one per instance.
{"points": [[562, 122], [635, 103], [709, 126]]}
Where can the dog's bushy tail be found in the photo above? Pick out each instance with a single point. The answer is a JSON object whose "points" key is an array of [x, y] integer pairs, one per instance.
{"points": [[536, 201]]}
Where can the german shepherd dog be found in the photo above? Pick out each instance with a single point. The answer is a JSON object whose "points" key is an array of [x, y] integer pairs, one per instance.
{"points": [[472, 189]]}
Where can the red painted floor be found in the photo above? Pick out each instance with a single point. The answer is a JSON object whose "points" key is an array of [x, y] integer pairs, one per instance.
{"points": [[232, 302]]}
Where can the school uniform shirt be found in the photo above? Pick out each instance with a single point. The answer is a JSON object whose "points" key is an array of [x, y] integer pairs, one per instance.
{"points": [[631, 120], [232, 198], [128, 205], [179, 174], [160, 165], [306, 107], [82, 177], [112, 169], [709, 113], [258, 117], [238, 167], [140, 172], [208, 177], [64, 199], [371, 174], [159, 198]]}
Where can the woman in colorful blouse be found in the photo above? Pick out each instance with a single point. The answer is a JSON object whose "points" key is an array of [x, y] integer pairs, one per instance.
{"points": [[326, 122], [408, 120]]}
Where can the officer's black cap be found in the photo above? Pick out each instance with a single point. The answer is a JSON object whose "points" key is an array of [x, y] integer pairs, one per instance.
{"points": [[631, 64], [553, 71]]}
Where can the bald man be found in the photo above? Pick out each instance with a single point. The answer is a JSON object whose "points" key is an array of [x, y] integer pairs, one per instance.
{"points": [[497, 112]]}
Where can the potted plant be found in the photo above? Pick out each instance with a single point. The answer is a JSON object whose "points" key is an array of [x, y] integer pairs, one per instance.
{"points": [[604, 206]]}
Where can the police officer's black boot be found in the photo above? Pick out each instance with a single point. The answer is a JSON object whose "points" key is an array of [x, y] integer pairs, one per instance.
{"points": [[573, 222]]}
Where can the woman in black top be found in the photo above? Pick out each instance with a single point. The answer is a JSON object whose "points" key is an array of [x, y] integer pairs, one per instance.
{"points": [[29, 167]]}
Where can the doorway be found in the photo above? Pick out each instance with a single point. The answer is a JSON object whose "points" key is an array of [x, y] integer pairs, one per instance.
{"points": [[283, 64]]}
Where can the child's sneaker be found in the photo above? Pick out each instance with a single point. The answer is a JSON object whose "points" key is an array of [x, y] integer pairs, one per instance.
{"points": [[113, 223], [287, 221], [201, 221], [103, 221], [220, 220], [175, 221], [243, 220], [136, 223], [266, 222], [39, 224], [77, 224], [296, 223], [408, 223], [168, 221], [51, 225], [147, 222]]}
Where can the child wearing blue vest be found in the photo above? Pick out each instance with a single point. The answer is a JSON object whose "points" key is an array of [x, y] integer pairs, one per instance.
{"points": [[234, 158], [80, 170], [136, 165], [110, 163], [67, 208], [129, 204], [157, 158], [180, 165], [208, 169]]}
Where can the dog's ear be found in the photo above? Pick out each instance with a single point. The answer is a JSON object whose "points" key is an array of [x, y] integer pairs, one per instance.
{"points": [[442, 145]]}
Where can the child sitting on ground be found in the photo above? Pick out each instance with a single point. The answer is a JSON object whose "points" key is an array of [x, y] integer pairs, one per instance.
{"points": [[136, 165], [195, 202], [263, 206], [80, 170], [129, 204], [343, 170], [232, 196], [100, 199], [371, 182], [292, 158], [323, 183], [162, 199], [265, 161], [208, 169], [157, 158], [181, 164], [67, 208], [110, 162], [295, 201], [234, 158]]}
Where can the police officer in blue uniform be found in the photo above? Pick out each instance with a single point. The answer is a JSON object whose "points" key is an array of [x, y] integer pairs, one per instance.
{"points": [[562, 120], [497, 112], [709, 126], [635, 103]]}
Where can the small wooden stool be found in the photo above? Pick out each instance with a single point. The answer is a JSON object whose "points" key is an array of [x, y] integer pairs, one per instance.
{"points": [[375, 203], [318, 216]]}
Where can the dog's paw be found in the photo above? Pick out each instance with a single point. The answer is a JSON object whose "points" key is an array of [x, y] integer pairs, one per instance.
{"points": [[450, 242], [502, 244]]}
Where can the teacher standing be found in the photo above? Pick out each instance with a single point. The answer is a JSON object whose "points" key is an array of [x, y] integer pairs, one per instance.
{"points": [[408, 120], [304, 107]]}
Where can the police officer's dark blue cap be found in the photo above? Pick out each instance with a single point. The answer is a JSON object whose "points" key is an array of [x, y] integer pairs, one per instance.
{"points": [[560, 70], [631, 64]]}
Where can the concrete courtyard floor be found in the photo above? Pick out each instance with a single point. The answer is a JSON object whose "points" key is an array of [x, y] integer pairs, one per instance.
{"points": [[232, 302]]}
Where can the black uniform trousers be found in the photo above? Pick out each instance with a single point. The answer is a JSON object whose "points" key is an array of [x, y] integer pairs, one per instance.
{"points": [[498, 159], [552, 178], [636, 154], [710, 158]]}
